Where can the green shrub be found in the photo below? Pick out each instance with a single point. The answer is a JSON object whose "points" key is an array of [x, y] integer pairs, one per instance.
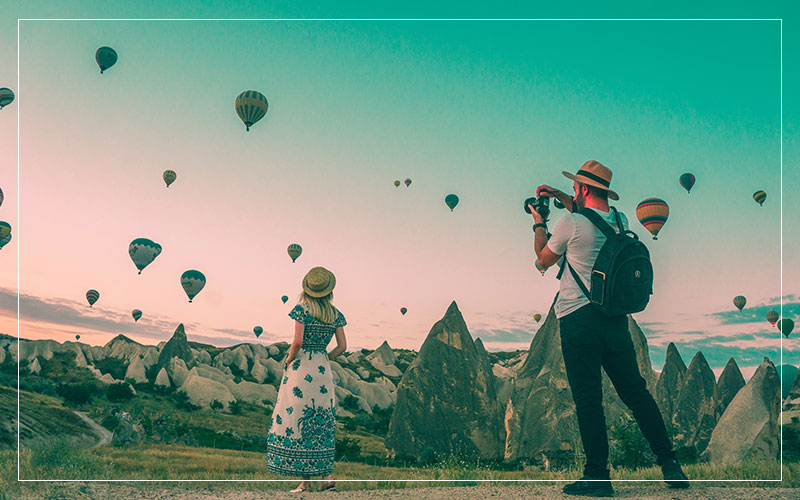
{"points": [[350, 402], [235, 407], [119, 392], [628, 447], [112, 365], [348, 449], [76, 393], [216, 405]]}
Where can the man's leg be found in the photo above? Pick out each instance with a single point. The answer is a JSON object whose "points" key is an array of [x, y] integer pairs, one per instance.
{"points": [[582, 351], [619, 362]]}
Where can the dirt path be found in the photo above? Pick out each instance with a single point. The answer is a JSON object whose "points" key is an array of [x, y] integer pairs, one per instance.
{"points": [[214, 491], [103, 433]]}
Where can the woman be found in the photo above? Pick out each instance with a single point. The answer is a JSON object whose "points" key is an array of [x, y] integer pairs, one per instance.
{"points": [[302, 436]]}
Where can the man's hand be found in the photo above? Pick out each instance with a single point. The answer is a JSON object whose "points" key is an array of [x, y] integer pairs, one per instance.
{"points": [[536, 216], [545, 190]]}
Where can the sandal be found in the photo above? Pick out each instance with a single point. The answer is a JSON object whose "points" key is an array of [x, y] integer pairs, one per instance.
{"points": [[331, 486], [300, 489]]}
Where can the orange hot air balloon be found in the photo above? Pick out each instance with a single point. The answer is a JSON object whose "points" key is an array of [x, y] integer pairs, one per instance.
{"points": [[653, 214], [739, 301]]}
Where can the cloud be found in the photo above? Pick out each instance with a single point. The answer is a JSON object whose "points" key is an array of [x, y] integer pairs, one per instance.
{"points": [[758, 314]]}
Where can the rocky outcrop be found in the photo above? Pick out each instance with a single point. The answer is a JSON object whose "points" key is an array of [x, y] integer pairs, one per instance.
{"points": [[749, 430], [669, 382], [202, 390], [35, 367], [449, 389], [540, 416], [176, 347], [136, 371], [791, 405], [693, 419], [177, 370], [728, 385], [372, 394], [238, 357], [162, 378], [251, 392], [384, 353]]}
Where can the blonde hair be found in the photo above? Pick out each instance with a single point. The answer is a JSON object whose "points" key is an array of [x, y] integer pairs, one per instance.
{"points": [[320, 308]]}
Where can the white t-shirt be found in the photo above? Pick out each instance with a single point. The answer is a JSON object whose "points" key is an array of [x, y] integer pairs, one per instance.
{"points": [[581, 240]]}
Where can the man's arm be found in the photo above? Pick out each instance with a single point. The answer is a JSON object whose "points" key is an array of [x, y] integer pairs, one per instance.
{"points": [[544, 255], [548, 252]]}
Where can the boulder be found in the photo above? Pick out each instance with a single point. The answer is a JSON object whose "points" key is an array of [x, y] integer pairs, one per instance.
{"points": [[259, 372], [177, 370], [162, 378], [749, 430], [384, 353], [252, 392], [201, 356], [355, 357], [275, 368], [540, 415], [728, 385], [451, 391], [341, 393], [388, 370], [273, 351], [363, 373], [202, 391], [136, 371], [209, 372], [669, 382], [693, 419]]}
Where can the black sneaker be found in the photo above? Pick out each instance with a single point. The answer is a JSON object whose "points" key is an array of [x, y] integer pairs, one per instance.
{"points": [[587, 488], [673, 475]]}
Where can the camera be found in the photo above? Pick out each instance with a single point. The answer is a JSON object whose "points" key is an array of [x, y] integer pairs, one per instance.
{"points": [[540, 204]]}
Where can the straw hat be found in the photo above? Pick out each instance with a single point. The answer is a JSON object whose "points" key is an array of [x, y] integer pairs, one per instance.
{"points": [[319, 282], [595, 174]]}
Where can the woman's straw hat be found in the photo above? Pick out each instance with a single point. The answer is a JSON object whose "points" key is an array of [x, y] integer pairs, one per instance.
{"points": [[319, 282], [595, 174]]}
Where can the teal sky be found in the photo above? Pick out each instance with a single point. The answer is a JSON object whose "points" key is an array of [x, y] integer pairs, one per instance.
{"points": [[485, 109]]}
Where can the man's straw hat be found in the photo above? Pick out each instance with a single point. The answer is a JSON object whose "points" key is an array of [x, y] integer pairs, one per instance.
{"points": [[319, 282], [595, 174]]}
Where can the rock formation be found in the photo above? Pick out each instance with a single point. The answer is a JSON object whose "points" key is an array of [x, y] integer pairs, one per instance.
{"points": [[162, 378], [693, 419], [177, 346], [669, 382], [749, 429], [136, 371], [540, 416], [729, 383], [446, 402]]}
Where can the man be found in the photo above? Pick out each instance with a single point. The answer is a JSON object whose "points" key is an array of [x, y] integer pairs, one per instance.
{"points": [[590, 339]]}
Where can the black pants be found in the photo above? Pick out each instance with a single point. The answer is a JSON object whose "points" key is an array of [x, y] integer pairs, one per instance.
{"points": [[589, 340]]}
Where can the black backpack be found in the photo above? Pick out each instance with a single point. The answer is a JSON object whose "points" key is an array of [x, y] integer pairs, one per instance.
{"points": [[622, 276]]}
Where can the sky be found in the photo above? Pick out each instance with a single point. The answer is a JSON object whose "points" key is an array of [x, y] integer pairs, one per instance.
{"points": [[484, 109]]}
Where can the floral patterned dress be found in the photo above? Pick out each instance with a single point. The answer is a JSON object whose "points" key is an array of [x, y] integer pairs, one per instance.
{"points": [[302, 435]]}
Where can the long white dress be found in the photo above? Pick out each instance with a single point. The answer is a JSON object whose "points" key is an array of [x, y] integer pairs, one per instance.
{"points": [[302, 435]]}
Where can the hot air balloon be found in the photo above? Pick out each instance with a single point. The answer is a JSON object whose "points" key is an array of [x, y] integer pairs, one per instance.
{"points": [[258, 331], [4, 240], [451, 200], [77, 337], [687, 181], [251, 106], [169, 176], [540, 268], [760, 196], [192, 282], [5, 228], [403, 311], [92, 296], [652, 213], [396, 183], [294, 251], [284, 299], [105, 57], [739, 301], [772, 317], [136, 314], [786, 326], [537, 317], [1, 198], [6, 97], [143, 252], [408, 182]]}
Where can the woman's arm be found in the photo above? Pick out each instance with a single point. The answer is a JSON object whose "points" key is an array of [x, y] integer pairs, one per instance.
{"points": [[296, 342], [341, 343]]}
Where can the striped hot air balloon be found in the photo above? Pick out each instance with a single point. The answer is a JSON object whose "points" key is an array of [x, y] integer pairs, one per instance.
{"points": [[739, 301], [92, 296], [143, 252], [653, 214], [294, 251], [136, 314], [169, 176], [772, 317], [4, 240], [687, 181], [251, 106], [6, 97], [760, 196], [192, 282], [451, 200], [5, 228], [105, 57]]}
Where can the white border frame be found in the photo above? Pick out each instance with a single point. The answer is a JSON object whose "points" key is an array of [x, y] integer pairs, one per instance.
{"points": [[19, 20]]}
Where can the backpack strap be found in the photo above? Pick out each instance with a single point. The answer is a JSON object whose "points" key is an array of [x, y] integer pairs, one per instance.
{"points": [[602, 225], [578, 280]]}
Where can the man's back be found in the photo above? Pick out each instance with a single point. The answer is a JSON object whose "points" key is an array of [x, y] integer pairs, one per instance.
{"points": [[576, 237]]}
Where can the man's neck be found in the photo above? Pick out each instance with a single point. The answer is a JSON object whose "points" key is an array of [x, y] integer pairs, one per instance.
{"points": [[601, 205]]}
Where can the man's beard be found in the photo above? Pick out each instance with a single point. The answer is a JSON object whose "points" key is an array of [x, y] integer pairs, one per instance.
{"points": [[579, 201]]}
